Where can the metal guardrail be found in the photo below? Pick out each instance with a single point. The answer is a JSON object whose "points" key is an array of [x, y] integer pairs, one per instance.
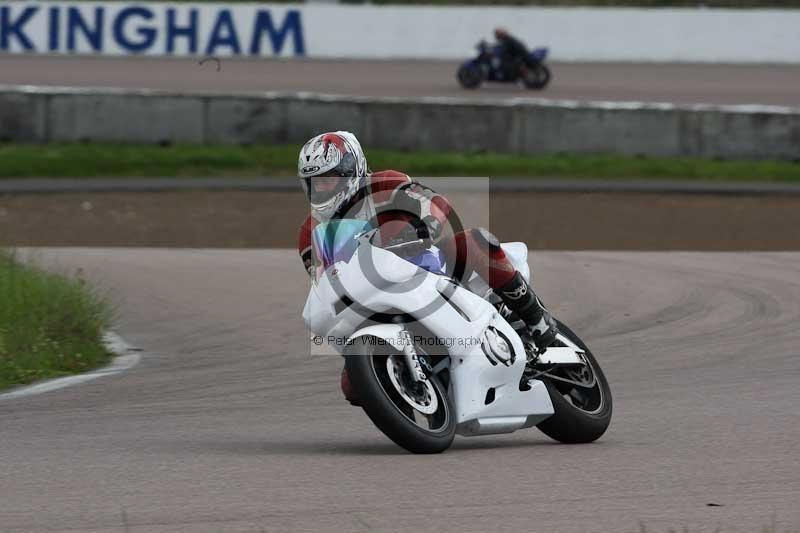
{"points": [[518, 125]]}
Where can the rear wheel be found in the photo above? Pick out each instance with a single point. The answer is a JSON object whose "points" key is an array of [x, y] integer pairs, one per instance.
{"points": [[581, 399], [536, 77], [418, 416], [469, 76]]}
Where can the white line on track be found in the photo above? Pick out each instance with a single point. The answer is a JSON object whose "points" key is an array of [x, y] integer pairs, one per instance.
{"points": [[126, 358]]}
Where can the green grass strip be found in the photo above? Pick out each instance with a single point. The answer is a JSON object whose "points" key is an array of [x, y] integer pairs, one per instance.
{"points": [[50, 325], [113, 160]]}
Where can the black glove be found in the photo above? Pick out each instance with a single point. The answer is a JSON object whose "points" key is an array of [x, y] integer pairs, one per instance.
{"points": [[414, 230], [428, 230], [433, 226]]}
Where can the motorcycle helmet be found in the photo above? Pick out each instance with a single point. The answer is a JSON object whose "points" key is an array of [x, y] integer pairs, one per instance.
{"points": [[331, 168]]}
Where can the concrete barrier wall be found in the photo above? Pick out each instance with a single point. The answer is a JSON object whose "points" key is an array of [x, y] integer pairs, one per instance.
{"points": [[395, 31], [523, 126]]}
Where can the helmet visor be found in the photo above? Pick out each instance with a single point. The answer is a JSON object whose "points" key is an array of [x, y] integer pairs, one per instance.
{"points": [[320, 189], [325, 186]]}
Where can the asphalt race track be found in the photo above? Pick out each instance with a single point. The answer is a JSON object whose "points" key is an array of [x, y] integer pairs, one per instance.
{"points": [[229, 425], [677, 83]]}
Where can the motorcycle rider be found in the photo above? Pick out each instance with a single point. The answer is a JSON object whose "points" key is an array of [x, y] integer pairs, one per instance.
{"points": [[513, 52], [334, 174]]}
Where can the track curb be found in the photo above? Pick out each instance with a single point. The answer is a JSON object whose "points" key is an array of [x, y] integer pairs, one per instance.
{"points": [[126, 357]]}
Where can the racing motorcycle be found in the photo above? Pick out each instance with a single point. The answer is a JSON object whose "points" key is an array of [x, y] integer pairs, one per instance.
{"points": [[432, 353], [488, 66]]}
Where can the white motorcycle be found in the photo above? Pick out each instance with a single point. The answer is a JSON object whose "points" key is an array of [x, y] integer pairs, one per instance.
{"points": [[430, 356]]}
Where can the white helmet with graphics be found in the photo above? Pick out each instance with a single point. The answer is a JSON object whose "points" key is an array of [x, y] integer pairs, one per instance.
{"points": [[331, 168]]}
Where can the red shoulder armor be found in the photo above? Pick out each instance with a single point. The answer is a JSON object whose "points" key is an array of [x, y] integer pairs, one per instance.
{"points": [[385, 182]]}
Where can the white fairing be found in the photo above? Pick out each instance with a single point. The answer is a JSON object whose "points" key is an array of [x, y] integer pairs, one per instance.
{"points": [[517, 252], [468, 325]]}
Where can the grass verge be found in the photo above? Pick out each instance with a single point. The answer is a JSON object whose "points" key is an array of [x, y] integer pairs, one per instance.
{"points": [[113, 160], [50, 325]]}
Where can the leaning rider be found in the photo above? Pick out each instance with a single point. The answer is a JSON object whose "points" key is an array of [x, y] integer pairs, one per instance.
{"points": [[513, 52], [334, 174]]}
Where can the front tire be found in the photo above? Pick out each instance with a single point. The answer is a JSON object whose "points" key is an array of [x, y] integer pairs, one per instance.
{"points": [[578, 421], [399, 410], [470, 77], [537, 77]]}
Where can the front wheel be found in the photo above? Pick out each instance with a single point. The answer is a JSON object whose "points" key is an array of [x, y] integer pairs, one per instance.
{"points": [[581, 399], [417, 416], [469, 76], [537, 76]]}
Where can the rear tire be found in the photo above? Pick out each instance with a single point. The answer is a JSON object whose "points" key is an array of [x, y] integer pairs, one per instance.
{"points": [[470, 77], [389, 411], [570, 424]]}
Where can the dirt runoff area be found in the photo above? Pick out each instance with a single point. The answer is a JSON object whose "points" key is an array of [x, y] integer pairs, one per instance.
{"points": [[544, 220]]}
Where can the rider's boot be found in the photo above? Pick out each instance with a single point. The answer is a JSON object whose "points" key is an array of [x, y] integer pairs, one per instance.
{"points": [[518, 296]]}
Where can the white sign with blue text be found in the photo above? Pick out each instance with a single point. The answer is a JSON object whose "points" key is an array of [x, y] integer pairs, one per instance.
{"points": [[150, 29], [396, 31]]}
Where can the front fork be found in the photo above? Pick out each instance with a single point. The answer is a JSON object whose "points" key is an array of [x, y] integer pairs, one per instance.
{"points": [[413, 364]]}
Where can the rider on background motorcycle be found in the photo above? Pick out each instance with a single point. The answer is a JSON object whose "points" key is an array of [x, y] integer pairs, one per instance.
{"points": [[339, 185], [513, 52]]}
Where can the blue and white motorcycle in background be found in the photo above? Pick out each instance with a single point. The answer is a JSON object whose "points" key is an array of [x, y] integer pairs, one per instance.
{"points": [[488, 66], [430, 356]]}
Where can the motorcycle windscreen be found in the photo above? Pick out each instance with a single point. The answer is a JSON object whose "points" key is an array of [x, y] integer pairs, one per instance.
{"points": [[431, 260], [337, 240], [538, 55]]}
